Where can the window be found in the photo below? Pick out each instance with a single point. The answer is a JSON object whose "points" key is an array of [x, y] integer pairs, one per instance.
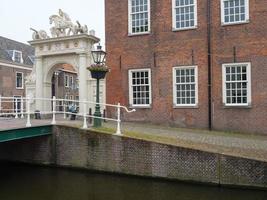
{"points": [[184, 14], [234, 11], [139, 16], [140, 87], [77, 99], [77, 83], [67, 84], [185, 89], [71, 84], [236, 84], [17, 56], [19, 80], [17, 104], [32, 59]]}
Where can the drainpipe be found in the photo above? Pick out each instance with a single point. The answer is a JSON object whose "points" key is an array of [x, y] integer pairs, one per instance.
{"points": [[209, 63]]}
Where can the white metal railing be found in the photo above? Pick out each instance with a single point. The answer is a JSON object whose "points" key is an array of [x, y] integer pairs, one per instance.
{"points": [[19, 107]]}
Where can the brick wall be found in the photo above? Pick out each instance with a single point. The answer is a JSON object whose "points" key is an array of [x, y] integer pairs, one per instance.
{"points": [[163, 49], [8, 81], [77, 148]]}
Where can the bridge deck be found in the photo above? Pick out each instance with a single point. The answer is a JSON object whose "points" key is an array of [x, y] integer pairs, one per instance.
{"points": [[11, 123]]}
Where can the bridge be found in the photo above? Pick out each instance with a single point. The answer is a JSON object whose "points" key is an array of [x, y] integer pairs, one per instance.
{"points": [[24, 133], [19, 121]]}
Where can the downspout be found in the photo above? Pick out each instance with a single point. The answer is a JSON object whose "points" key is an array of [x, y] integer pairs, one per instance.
{"points": [[209, 63]]}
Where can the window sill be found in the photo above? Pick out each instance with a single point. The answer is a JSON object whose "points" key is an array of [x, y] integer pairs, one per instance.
{"points": [[185, 107], [237, 106], [19, 88], [234, 23], [184, 29], [140, 107], [138, 34]]}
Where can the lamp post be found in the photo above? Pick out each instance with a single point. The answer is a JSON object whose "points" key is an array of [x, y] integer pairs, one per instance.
{"points": [[98, 71]]}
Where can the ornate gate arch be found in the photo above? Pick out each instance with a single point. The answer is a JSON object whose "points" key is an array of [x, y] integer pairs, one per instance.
{"points": [[72, 49]]}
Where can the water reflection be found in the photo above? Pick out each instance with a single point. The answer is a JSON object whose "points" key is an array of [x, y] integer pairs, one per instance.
{"points": [[20, 182]]}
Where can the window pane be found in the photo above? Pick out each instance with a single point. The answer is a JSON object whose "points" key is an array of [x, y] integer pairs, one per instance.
{"points": [[236, 84], [140, 87], [185, 13], [185, 86], [139, 16], [19, 80], [234, 10]]}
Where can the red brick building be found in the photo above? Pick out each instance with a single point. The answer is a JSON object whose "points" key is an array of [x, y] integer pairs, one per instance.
{"points": [[189, 63]]}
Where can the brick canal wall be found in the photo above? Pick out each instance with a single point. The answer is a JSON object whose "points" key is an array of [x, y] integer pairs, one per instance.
{"points": [[71, 147]]}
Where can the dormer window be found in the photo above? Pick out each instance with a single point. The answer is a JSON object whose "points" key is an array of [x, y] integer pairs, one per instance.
{"points": [[17, 56], [32, 58]]}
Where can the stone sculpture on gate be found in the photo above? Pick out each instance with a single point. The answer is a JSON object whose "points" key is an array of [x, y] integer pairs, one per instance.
{"points": [[62, 26]]}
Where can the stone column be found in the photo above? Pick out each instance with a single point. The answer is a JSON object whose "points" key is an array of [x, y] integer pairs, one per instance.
{"points": [[82, 80], [39, 82]]}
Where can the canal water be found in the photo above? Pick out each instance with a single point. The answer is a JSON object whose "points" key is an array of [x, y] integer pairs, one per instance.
{"points": [[24, 182]]}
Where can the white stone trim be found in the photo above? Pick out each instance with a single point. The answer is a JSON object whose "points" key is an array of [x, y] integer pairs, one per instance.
{"points": [[14, 66]]}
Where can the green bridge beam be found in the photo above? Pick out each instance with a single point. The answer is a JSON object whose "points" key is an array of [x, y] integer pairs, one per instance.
{"points": [[22, 133]]}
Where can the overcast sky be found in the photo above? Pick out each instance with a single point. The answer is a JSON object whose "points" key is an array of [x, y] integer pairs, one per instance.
{"points": [[17, 16]]}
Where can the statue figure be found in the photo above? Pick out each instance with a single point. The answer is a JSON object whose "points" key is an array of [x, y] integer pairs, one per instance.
{"points": [[62, 23], [63, 26], [39, 35], [80, 29], [57, 32], [64, 15]]}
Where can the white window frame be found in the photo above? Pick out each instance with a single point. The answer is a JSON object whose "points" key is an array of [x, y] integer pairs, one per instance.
{"points": [[130, 72], [71, 82], [130, 19], [248, 65], [195, 67], [174, 17], [19, 97], [67, 81], [22, 81], [236, 22], [13, 56]]}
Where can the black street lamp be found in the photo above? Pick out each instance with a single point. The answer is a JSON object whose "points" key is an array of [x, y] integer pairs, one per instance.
{"points": [[98, 71], [99, 55]]}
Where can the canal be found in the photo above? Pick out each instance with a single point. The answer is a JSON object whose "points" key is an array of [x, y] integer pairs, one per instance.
{"points": [[24, 182]]}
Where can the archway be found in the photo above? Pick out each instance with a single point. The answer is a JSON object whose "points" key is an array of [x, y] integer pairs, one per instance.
{"points": [[64, 84]]}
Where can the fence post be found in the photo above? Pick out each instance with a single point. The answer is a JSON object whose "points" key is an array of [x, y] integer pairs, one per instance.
{"points": [[28, 107], [0, 103], [21, 108], [64, 110], [84, 115], [118, 132], [16, 108], [54, 110]]}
